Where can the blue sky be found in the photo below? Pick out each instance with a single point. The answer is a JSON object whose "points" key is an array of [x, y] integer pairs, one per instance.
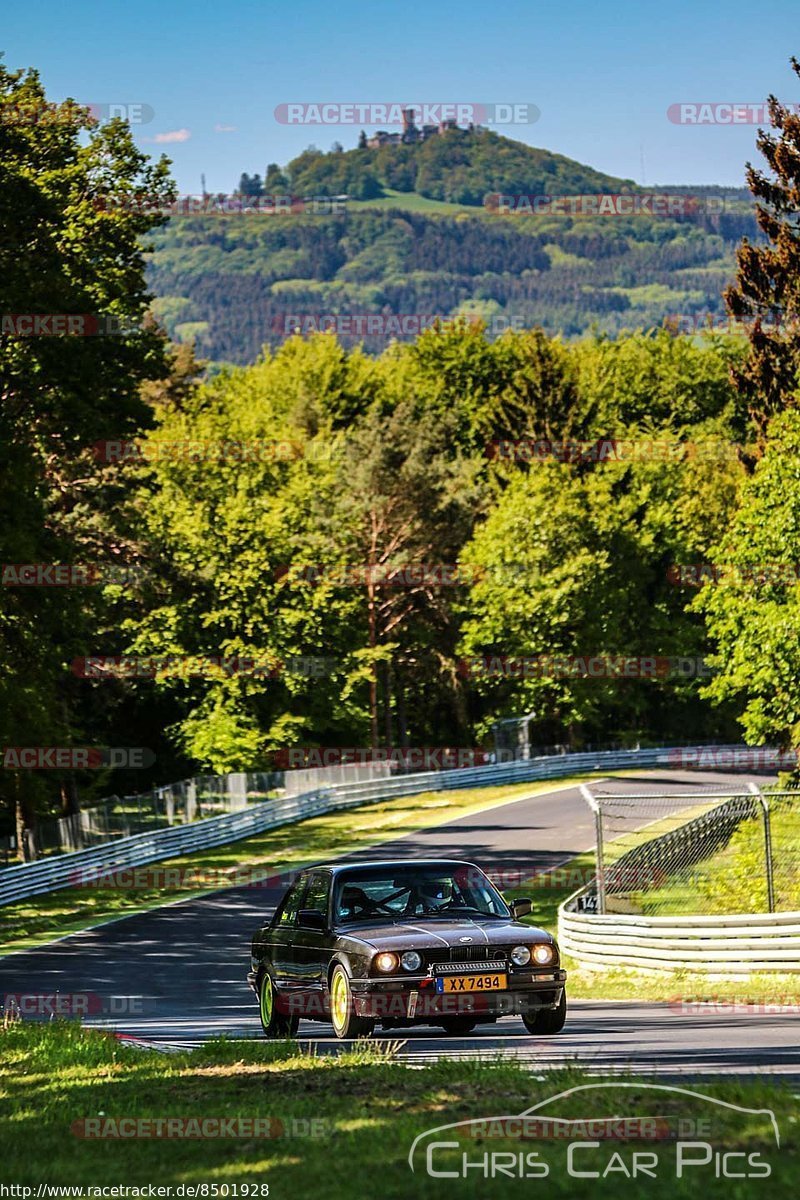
{"points": [[602, 76]]}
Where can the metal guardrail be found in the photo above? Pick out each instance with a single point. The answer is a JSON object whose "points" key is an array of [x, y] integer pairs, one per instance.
{"points": [[65, 870], [741, 944]]}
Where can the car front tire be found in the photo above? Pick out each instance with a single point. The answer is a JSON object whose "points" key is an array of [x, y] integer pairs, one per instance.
{"points": [[346, 1024], [274, 1024], [547, 1020]]}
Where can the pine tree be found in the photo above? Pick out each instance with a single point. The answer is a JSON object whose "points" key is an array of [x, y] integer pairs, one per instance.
{"points": [[766, 290]]}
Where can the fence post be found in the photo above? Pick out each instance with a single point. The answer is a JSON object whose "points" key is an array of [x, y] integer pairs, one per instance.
{"points": [[594, 805], [191, 800], [756, 791]]}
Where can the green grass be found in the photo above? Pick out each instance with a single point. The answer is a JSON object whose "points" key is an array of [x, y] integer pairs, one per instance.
{"points": [[365, 1110], [413, 202], [39, 919]]}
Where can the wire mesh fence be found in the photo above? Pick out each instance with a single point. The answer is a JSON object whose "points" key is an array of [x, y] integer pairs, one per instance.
{"points": [[178, 803], [121, 816], [709, 851]]}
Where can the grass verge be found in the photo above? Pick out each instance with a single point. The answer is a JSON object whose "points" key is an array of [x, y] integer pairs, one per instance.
{"points": [[343, 1127]]}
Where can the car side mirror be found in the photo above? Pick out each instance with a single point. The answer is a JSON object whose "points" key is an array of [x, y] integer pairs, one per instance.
{"points": [[309, 918], [520, 908]]}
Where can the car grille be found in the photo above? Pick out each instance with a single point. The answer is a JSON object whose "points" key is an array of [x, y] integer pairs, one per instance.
{"points": [[469, 958], [461, 954]]}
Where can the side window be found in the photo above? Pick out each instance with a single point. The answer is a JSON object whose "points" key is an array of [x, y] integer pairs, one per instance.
{"points": [[318, 891], [291, 905]]}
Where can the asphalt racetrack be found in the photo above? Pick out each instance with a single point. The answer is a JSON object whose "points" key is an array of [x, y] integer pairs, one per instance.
{"points": [[175, 976]]}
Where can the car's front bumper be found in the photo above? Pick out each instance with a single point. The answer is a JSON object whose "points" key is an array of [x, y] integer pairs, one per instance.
{"points": [[416, 999]]}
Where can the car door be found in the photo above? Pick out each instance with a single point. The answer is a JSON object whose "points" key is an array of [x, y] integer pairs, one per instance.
{"points": [[313, 947], [283, 935]]}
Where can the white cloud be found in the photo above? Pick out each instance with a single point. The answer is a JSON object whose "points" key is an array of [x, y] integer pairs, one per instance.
{"points": [[173, 135], [220, 128]]}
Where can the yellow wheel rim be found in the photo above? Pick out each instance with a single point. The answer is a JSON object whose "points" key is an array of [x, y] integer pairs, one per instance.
{"points": [[339, 1000], [266, 1001]]}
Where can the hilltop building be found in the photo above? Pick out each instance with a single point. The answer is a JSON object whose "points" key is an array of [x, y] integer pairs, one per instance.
{"points": [[411, 135]]}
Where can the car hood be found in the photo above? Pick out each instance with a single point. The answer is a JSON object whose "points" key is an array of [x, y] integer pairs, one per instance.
{"points": [[427, 935]]}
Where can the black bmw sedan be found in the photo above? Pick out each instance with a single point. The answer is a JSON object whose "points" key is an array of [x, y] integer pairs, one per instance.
{"points": [[403, 943]]}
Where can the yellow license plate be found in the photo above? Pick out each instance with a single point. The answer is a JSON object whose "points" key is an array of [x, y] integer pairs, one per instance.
{"points": [[472, 983]]}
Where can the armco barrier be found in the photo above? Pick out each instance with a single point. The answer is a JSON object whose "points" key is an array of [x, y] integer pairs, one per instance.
{"points": [[741, 944], [61, 871]]}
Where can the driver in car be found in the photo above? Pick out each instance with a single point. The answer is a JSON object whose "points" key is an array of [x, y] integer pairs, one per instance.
{"points": [[432, 896]]}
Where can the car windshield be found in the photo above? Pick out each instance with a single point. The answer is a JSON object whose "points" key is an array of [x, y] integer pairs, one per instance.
{"points": [[411, 892]]}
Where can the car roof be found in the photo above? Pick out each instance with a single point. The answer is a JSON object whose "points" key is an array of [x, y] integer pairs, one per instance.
{"points": [[393, 864]]}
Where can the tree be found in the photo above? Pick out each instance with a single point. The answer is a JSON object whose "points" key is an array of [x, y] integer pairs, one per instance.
{"points": [[362, 140], [227, 529], [766, 289], [275, 182], [406, 504], [75, 201], [250, 185], [753, 611], [574, 562]]}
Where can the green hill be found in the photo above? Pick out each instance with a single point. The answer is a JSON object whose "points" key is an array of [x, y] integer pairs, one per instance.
{"points": [[459, 167], [415, 239]]}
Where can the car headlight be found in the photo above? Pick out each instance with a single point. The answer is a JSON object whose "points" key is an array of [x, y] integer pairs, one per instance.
{"points": [[544, 953], [411, 961], [520, 955], [386, 961]]}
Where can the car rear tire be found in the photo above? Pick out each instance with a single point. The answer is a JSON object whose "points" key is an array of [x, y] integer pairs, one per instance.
{"points": [[458, 1026], [274, 1024], [547, 1020], [346, 1024]]}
